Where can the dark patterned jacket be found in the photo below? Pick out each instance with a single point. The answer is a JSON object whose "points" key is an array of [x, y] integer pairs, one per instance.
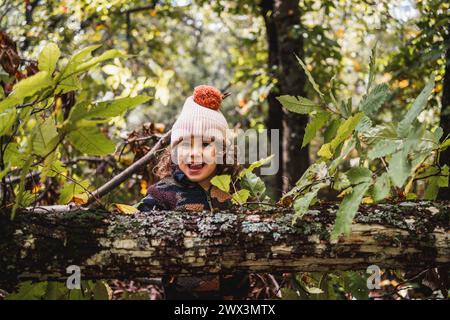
{"points": [[177, 192]]}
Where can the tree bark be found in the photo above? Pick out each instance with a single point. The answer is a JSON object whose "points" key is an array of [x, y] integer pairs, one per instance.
{"points": [[41, 245], [274, 119], [292, 81], [445, 110], [282, 21]]}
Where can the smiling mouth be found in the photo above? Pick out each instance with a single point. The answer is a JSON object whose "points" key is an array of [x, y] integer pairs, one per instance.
{"points": [[196, 166]]}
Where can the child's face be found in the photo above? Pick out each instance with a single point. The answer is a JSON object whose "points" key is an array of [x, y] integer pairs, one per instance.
{"points": [[196, 158]]}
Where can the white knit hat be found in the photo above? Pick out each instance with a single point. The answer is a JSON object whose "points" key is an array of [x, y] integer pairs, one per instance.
{"points": [[200, 119]]}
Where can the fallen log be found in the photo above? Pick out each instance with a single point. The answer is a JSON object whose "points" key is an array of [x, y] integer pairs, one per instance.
{"points": [[41, 245]]}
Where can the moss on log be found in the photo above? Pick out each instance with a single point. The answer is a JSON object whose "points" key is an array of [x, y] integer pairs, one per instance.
{"points": [[43, 244]]}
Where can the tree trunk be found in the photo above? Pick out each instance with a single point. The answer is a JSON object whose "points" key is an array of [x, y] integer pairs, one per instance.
{"points": [[445, 110], [292, 81], [42, 244], [274, 119], [282, 20]]}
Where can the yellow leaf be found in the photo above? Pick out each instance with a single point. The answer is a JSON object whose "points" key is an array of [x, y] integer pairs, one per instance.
{"points": [[58, 104], [356, 66], [438, 88], [126, 209], [160, 127], [403, 83], [80, 199], [126, 160], [144, 187], [409, 186], [344, 192], [325, 151], [367, 200], [36, 188], [340, 32]]}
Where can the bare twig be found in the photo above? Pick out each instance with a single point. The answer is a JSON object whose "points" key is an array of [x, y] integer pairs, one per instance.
{"points": [[124, 175]]}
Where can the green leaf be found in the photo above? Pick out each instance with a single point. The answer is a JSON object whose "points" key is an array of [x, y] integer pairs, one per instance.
{"points": [[372, 102], [107, 55], [85, 293], [341, 181], [31, 85], [14, 157], [81, 62], [84, 53], [356, 283], [113, 108], [364, 125], [358, 175], [4, 172], [432, 190], [315, 173], [346, 129], [71, 83], [255, 165], [444, 145], [298, 104], [91, 141], [56, 290], [372, 66], [345, 107], [343, 132], [101, 291], [381, 187], [385, 131], [71, 189], [436, 182], [330, 131], [254, 184], [313, 290], [310, 77], [289, 294], [347, 210], [430, 171], [52, 166], [316, 123], [10, 102], [48, 58], [222, 182], [29, 291], [80, 56], [7, 121], [383, 148], [45, 137], [326, 151], [21, 193], [302, 203], [84, 114], [240, 196], [418, 105], [399, 168], [346, 149]]}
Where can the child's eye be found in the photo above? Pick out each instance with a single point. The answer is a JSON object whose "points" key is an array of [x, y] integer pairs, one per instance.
{"points": [[184, 145], [206, 144]]}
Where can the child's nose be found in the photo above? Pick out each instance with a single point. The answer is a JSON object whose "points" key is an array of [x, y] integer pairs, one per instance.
{"points": [[196, 153]]}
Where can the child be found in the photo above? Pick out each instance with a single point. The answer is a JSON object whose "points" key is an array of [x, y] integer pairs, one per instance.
{"points": [[198, 139]]}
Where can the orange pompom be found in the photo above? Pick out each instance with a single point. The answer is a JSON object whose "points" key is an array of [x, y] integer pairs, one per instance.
{"points": [[208, 96]]}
